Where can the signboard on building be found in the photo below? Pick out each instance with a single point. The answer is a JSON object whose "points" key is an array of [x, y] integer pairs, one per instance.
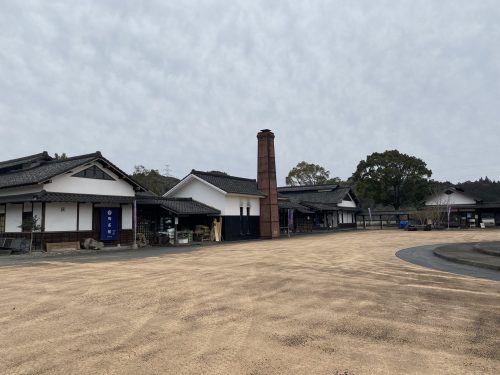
{"points": [[109, 224]]}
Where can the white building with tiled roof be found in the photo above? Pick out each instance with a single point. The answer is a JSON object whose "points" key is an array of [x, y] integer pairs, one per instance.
{"points": [[238, 200], [69, 199]]}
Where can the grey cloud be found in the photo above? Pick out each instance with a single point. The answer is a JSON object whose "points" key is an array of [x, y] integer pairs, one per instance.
{"points": [[190, 83]]}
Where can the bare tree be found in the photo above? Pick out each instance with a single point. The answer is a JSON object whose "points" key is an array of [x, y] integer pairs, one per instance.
{"points": [[435, 208]]}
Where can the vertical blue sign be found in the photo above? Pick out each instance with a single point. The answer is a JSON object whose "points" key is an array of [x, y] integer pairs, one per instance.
{"points": [[109, 224]]}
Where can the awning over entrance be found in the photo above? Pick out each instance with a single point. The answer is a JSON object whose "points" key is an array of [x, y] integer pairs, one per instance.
{"points": [[179, 206]]}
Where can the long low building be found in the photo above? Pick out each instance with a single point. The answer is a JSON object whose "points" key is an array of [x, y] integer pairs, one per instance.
{"points": [[303, 208], [464, 210], [86, 196], [66, 200], [236, 198]]}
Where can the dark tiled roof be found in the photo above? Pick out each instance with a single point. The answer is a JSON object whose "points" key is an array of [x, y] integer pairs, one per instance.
{"points": [[45, 196], [332, 196], [45, 169], [180, 206], [25, 160], [315, 197], [230, 184], [318, 206], [283, 204], [292, 189]]}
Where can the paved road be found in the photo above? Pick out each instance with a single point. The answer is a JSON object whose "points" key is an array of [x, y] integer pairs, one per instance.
{"points": [[424, 256]]}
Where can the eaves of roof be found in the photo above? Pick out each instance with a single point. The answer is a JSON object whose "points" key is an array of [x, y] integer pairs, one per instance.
{"points": [[45, 196]]}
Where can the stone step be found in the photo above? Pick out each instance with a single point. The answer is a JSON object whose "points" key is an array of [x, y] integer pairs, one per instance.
{"points": [[467, 254], [490, 248]]}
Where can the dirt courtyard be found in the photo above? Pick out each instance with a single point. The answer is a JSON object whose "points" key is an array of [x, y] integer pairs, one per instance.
{"points": [[340, 303]]}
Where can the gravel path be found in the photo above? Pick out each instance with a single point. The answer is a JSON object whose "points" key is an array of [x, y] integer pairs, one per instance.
{"points": [[327, 304]]}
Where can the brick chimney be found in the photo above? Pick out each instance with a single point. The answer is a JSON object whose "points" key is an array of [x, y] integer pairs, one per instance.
{"points": [[266, 182]]}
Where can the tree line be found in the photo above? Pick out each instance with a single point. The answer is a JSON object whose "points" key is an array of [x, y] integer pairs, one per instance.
{"points": [[383, 179], [391, 179]]}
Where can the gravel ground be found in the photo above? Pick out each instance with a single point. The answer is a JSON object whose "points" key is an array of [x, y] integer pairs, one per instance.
{"points": [[339, 303]]}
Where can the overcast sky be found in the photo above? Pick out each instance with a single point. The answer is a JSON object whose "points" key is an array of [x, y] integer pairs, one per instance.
{"points": [[190, 83]]}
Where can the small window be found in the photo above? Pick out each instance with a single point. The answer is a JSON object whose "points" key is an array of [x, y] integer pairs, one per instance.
{"points": [[2, 223], [95, 173], [27, 224]]}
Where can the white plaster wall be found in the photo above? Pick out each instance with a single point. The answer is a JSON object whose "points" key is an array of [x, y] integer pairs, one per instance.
{"points": [[37, 211], [60, 217], [127, 213], [203, 193], [68, 184], [20, 190], [347, 204], [450, 199], [347, 217], [234, 202], [85, 216], [13, 217]]}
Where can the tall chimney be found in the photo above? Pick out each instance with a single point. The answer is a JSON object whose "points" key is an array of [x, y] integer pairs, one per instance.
{"points": [[266, 182]]}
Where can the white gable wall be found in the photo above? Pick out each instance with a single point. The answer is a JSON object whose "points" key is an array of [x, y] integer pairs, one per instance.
{"points": [[203, 193], [67, 184], [347, 204], [455, 198]]}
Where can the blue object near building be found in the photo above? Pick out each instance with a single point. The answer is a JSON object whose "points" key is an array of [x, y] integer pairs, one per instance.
{"points": [[109, 224], [403, 224]]}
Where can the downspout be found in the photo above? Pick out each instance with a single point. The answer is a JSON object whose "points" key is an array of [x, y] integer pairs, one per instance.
{"points": [[134, 224]]}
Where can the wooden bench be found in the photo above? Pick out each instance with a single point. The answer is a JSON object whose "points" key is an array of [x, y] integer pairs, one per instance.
{"points": [[62, 246]]}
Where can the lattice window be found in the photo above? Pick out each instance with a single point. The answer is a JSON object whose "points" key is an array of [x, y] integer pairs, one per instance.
{"points": [[95, 173], [2, 223]]}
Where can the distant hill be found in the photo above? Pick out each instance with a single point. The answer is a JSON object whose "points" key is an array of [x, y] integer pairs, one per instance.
{"points": [[484, 189], [153, 180]]}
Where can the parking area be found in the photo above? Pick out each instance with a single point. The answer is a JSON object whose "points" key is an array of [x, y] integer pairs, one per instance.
{"points": [[323, 304]]}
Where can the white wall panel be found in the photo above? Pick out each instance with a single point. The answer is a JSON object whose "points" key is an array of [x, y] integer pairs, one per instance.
{"points": [[234, 202], [13, 217], [127, 213], [37, 211], [85, 216], [60, 217]]}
